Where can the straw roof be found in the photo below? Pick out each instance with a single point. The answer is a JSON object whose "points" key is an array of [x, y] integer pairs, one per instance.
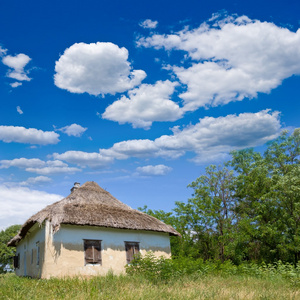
{"points": [[92, 205]]}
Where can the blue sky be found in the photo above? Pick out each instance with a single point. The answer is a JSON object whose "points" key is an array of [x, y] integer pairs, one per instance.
{"points": [[138, 96]]}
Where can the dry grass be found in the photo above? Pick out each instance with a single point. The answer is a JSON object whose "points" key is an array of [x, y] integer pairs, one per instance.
{"points": [[125, 287]]}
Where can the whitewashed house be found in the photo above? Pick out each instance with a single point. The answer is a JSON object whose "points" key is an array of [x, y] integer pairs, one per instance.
{"points": [[87, 233]]}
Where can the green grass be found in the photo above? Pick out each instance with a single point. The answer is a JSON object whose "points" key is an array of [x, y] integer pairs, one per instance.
{"points": [[193, 286]]}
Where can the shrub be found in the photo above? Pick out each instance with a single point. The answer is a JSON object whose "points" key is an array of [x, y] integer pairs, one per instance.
{"points": [[161, 269]]}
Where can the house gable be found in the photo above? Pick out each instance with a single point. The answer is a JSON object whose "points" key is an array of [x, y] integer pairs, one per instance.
{"points": [[30, 252]]}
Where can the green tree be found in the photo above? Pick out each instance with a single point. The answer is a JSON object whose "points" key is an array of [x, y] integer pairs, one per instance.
{"points": [[7, 253], [254, 211], [213, 206], [268, 193], [283, 156], [205, 222]]}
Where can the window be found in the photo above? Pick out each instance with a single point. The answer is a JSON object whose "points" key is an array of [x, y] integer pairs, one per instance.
{"points": [[32, 256], [37, 253], [92, 252], [17, 261], [132, 249]]}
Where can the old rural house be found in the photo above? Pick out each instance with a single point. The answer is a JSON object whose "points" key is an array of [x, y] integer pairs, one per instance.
{"points": [[87, 233]]}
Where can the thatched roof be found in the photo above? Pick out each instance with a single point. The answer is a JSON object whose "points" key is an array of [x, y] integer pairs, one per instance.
{"points": [[91, 205]]}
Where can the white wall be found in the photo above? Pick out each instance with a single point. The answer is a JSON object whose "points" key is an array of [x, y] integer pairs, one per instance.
{"points": [[66, 255], [27, 247]]}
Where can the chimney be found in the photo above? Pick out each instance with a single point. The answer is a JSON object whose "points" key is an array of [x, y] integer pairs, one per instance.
{"points": [[76, 186]]}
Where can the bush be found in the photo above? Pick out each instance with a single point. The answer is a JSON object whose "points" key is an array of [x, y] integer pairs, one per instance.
{"points": [[152, 268], [161, 269]]}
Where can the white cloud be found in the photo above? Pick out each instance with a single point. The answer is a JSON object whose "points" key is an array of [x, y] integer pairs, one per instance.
{"points": [[231, 59], [56, 163], [131, 148], [19, 110], [15, 84], [96, 68], [148, 24], [38, 166], [17, 64], [73, 130], [210, 139], [17, 76], [53, 167], [53, 170], [19, 134], [35, 180], [2, 51], [93, 160], [20, 203], [157, 170], [145, 104], [22, 163]]}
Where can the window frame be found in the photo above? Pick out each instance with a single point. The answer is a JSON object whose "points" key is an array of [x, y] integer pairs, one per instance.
{"points": [[95, 260], [135, 246]]}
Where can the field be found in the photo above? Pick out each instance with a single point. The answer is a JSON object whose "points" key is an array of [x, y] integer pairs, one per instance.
{"points": [[194, 286]]}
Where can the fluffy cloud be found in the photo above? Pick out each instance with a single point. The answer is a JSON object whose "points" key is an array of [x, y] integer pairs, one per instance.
{"points": [[73, 130], [54, 170], [215, 137], [145, 104], [93, 160], [97, 68], [20, 203], [19, 134], [19, 110], [38, 166], [22, 163], [53, 167], [210, 139], [17, 64], [157, 170], [15, 84], [231, 59], [35, 180], [148, 24], [131, 148]]}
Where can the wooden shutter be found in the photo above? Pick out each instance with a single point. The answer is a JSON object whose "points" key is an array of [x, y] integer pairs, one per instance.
{"points": [[136, 249], [92, 250], [131, 248], [129, 252], [17, 261]]}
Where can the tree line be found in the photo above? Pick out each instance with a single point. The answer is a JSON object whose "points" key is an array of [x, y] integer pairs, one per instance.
{"points": [[247, 209]]}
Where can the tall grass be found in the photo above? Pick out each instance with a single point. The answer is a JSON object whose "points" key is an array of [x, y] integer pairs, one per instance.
{"points": [[150, 278]]}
